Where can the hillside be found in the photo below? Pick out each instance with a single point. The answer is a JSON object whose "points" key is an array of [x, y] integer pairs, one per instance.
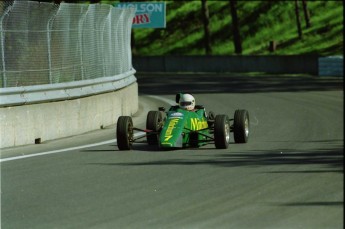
{"points": [[260, 23]]}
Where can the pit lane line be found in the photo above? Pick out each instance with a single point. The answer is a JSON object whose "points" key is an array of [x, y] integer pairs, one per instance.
{"points": [[171, 102]]}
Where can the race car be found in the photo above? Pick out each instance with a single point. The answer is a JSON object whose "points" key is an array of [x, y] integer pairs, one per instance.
{"points": [[181, 128]]}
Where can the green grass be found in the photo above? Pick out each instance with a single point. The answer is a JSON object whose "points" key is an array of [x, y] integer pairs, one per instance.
{"points": [[260, 23]]}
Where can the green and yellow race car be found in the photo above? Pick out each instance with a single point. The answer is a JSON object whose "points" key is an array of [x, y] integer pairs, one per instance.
{"points": [[182, 128]]}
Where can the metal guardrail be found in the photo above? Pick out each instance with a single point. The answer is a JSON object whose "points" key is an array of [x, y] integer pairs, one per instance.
{"points": [[15, 96], [273, 64], [331, 66]]}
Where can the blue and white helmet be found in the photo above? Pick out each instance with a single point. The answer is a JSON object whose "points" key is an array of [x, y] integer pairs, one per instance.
{"points": [[187, 102]]}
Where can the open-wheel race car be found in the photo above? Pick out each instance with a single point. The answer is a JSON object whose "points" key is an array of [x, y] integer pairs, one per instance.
{"points": [[181, 128]]}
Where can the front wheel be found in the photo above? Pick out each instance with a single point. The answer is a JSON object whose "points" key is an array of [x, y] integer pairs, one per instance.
{"points": [[221, 131], [153, 123], [124, 132], [241, 126]]}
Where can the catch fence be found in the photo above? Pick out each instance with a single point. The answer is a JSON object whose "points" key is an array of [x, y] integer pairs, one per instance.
{"points": [[46, 43]]}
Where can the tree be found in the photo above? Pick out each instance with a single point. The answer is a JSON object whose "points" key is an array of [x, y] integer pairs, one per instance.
{"points": [[235, 27], [306, 14], [206, 21], [298, 20]]}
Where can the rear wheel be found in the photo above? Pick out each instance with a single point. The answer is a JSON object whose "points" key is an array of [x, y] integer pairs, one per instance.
{"points": [[241, 126], [124, 132], [153, 123], [221, 131]]}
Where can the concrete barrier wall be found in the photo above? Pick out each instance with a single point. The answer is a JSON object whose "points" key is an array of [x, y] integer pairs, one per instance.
{"points": [[25, 124], [24, 95], [269, 64]]}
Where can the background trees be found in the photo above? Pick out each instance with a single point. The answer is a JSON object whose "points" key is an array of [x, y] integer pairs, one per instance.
{"points": [[206, 21], [306, 14], [298, 20], [235, 27], [200, 27]]}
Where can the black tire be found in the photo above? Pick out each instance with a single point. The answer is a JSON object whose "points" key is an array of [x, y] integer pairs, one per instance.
{"points": [[241, 126], [154, 123], [124, 132], [221, 132]]}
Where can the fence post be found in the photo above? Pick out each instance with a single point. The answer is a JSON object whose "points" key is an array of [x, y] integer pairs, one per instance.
{"points": [[4, 83], [49, 53], [4, 79], [128, 32], [49, 26], [80, 38]]}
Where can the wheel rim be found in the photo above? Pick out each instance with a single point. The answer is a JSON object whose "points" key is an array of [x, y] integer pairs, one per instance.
{"points": [[130, 133], [246, 127], [159, 123], [227, 132]]}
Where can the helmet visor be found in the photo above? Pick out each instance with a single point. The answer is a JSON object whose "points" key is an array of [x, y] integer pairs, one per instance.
{"points": [[185, 103]]}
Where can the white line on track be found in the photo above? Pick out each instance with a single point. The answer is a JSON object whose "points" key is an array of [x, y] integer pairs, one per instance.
{"points": [[64, 150], [169, 101]]}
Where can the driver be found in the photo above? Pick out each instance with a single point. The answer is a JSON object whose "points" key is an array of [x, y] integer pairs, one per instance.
{"points": [[187, 102]]}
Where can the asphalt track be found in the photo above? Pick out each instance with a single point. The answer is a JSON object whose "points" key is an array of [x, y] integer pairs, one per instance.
{"points": [[289, 174]]}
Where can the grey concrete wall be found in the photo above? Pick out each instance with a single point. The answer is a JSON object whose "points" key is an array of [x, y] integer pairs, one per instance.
{"points": [[269, 64], [21, 125]]}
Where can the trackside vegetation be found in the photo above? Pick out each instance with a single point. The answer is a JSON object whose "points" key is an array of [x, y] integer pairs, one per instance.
{"points": [[260, 22]]}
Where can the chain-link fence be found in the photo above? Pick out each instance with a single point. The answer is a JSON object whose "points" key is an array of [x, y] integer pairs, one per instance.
{"points": [[45, 43]]}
